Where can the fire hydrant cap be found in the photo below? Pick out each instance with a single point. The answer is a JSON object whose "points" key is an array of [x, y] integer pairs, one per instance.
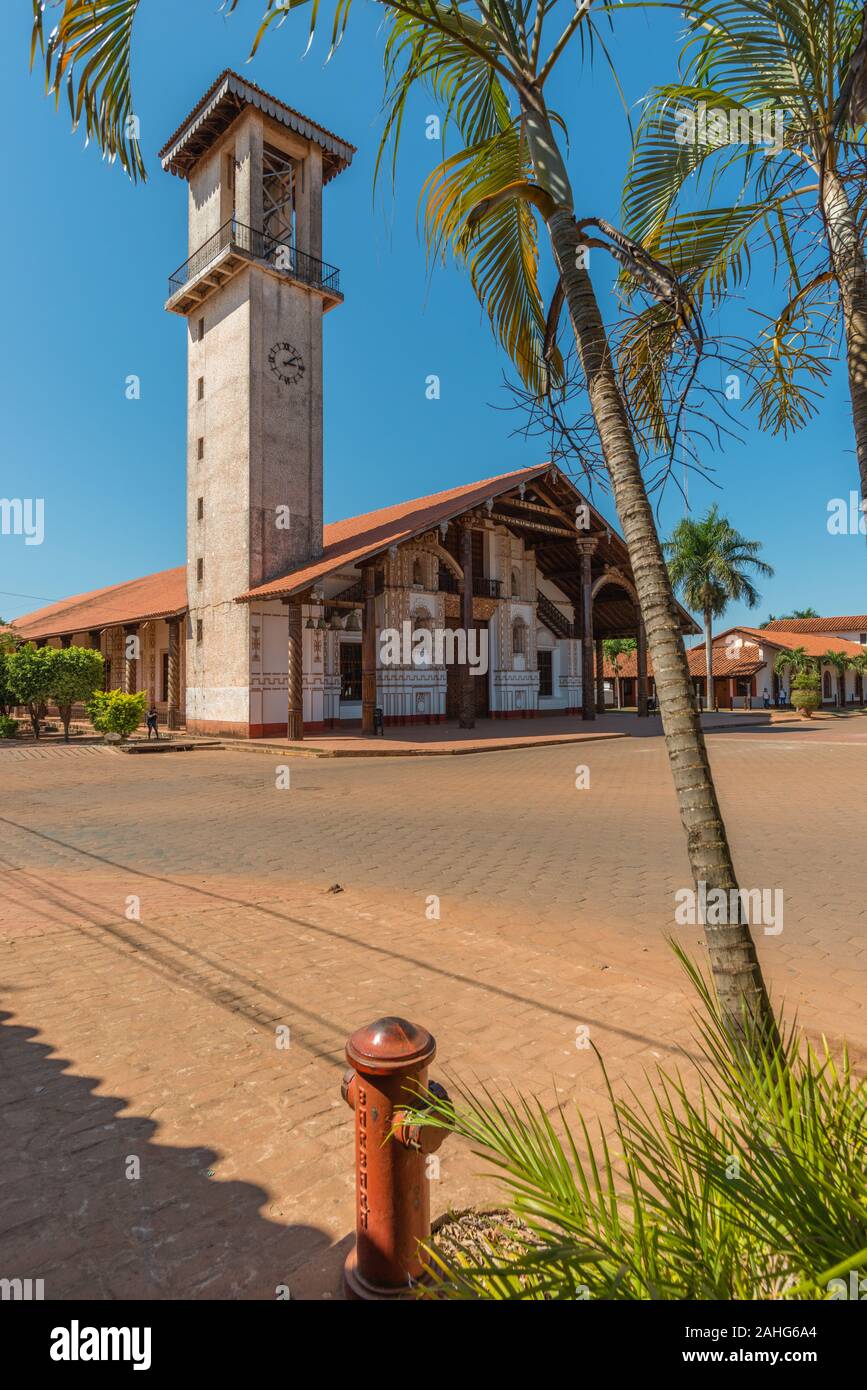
{"points": [[390, 1044]]}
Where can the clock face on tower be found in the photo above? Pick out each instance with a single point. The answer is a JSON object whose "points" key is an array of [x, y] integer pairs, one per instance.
{"points": [[286, 363]]}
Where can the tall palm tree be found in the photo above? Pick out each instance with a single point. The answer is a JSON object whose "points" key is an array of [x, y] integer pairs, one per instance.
{"points": [[708, 564], [840, 663], [803, 63], [489, 63], [858, 664]]}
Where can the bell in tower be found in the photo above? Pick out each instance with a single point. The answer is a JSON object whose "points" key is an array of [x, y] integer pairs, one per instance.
{"points": [[253, 292]]}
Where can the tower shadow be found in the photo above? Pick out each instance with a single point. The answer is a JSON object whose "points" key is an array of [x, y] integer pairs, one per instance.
{"points": [[93, 1204]]}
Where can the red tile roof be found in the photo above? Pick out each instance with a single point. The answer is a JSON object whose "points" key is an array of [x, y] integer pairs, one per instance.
{"points": [[235, 89], [357, 538], [135, 601], [722, 665], [814, 643], [852, 623]]}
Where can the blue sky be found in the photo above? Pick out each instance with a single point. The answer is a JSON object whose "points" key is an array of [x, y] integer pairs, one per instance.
{"points": [[87, 256]]}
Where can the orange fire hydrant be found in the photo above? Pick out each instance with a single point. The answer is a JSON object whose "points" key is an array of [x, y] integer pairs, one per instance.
{"points": [[389, 1061]]}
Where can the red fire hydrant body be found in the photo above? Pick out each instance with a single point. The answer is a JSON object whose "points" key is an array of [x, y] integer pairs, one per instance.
{"points": [[389, 1060]]}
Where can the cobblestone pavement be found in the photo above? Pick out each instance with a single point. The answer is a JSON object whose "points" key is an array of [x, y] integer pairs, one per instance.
{"points": [[160, 917]]}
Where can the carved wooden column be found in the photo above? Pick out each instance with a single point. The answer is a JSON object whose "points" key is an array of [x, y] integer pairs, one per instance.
{"points": [[368, 651], [641, 683], [467, 705], [600, 676], [130, 663], [173, 694], [295, 673], [586, 549]]}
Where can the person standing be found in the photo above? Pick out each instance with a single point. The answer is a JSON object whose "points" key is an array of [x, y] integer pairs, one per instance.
{"points": [[151, 720]]}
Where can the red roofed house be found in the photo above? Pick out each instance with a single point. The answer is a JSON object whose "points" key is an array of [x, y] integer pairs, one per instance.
{"points": [[276, 622], [744, 660]]}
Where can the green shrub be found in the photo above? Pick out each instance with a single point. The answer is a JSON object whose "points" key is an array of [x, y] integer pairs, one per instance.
{"points": [[113, 712], [745, 1181], [806, 692], [8, 727]]}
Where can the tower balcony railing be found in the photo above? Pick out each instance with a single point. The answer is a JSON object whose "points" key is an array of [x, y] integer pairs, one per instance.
{"points": [[234, 243]]}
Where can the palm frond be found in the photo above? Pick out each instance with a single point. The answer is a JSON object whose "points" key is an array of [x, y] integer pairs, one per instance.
{"points": [[88, 52]]}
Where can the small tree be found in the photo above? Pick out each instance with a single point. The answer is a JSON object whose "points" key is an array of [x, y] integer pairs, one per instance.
{"points": [[77, 673], [806, 693], [113, 712], [615, 648], [796, 662], [7, 694], [29, 672]]}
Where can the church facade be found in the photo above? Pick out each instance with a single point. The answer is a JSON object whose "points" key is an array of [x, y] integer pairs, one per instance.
{"points": [[280, 625]]}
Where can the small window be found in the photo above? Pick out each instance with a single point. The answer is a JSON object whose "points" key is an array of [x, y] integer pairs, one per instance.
{"points": [[200, 569], [546, 672], [519, 637], [198, 631], [201, 329], [416, 572], [862, 638], [200, 388], [200, 448], [516, 586], [200, 508]]}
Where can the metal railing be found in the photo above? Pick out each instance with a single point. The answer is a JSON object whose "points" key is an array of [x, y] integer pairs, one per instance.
{"points": [[261, 247], [482, 587], [553, 617]]}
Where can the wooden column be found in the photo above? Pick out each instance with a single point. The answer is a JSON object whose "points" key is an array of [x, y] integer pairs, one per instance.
{"points": [[368, 651], [467, 705], [588, 702], [295, 673], [600, 676], [130, 663], [173, 694], [641, 684]]}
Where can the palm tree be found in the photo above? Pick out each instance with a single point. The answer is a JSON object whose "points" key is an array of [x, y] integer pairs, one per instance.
{"points": [[858, 664], [785, 617], [796, 662], [839, 662], [708, 564], [489, 64], [615, 648], [806, 61]]}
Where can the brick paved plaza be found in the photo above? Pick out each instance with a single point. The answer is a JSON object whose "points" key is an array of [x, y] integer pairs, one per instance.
{"points": [[161, 916]]}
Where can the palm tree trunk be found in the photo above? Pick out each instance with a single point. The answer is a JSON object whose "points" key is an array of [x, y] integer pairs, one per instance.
{"points": [[708, 658], [733, 960], [850, 270]]}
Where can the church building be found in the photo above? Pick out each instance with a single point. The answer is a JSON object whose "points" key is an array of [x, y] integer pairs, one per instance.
{"points": [[275, 625]]}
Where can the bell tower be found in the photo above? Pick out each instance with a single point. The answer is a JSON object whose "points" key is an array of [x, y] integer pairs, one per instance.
{"points": [[252, 293]]}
